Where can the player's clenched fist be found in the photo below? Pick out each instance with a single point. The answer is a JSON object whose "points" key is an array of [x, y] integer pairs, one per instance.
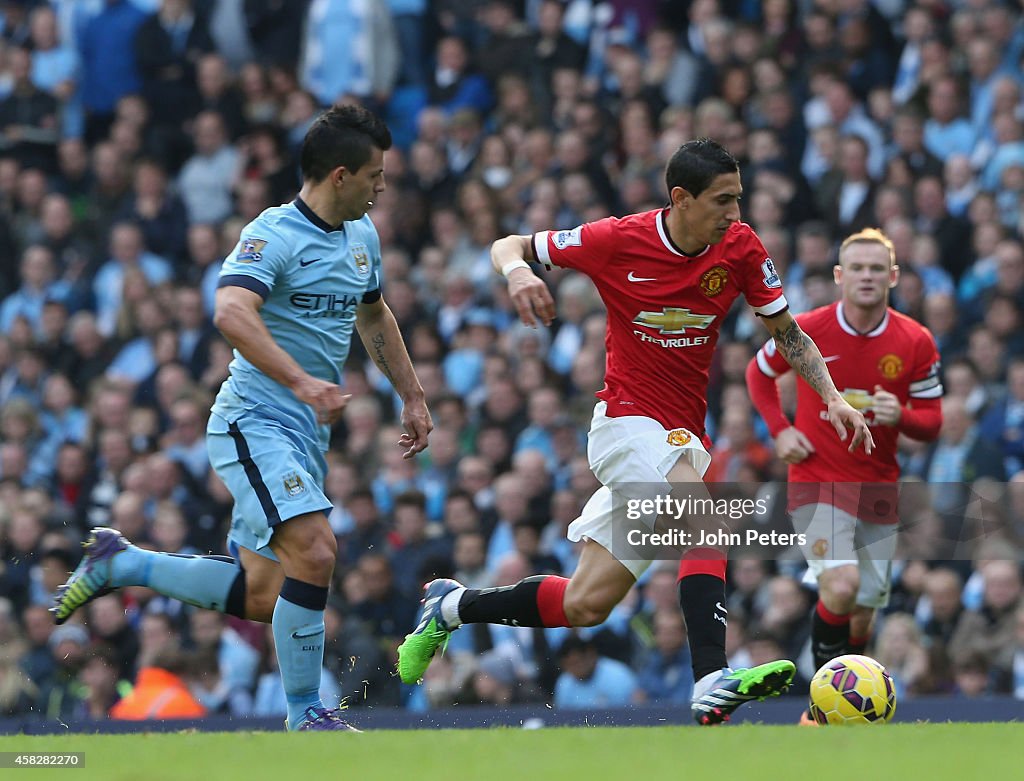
{"points": [[417, 424], [324, 397], [531, 297], [792, 445], [887, 407]]}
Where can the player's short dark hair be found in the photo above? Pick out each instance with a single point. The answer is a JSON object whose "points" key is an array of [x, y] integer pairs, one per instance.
{"points": [[697, 163], [342, 136]]}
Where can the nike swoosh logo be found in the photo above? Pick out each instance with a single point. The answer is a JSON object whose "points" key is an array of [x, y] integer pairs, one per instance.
{"points": [[305, 263], [831, 358], [634, 278], [719, 606]]}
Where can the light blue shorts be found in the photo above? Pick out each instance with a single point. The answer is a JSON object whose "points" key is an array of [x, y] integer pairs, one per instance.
{"points": [[273, 472]]}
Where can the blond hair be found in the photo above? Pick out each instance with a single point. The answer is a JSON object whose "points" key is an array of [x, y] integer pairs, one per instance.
{"points": [[869, 236]]}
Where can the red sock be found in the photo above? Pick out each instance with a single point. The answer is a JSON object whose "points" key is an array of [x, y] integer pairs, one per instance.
{"points": [[858, 645], [830, 618], [703, 561], [551, 601]]}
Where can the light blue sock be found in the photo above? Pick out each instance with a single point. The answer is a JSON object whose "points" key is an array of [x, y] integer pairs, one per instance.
{"points": [[203, 581], [299, 638]]}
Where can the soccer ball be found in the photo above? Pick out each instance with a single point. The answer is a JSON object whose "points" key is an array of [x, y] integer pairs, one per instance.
{"points": [[852, 689]]}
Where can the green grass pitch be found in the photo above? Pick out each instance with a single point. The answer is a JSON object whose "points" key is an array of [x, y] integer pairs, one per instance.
{"points": [[933, 752]]}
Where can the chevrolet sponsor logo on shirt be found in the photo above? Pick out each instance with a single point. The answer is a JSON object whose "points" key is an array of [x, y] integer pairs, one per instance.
{"points": [[673, 320]]}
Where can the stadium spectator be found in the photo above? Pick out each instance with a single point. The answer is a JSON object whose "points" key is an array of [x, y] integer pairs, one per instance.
{"points": [[590, 680], [160, 691], [665, 676], [167, 46], [109, 70], [989, 630], [206, 177]]}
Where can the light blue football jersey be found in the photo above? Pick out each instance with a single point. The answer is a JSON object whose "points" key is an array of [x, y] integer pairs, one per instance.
{"points": [[312, 278]]}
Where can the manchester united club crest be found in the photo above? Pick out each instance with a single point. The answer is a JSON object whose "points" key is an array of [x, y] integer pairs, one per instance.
{"points": [[713, 281], [820, 548], [362, 258], [679, 437], [891, 366], [293, 485]]}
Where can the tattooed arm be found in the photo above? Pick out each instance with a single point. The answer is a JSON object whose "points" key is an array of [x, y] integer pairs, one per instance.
{"points": [[803, 355], [379, 333]]}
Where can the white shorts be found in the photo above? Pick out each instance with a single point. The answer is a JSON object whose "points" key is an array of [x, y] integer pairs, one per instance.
{"points": [[633, 455], [835, 538]]}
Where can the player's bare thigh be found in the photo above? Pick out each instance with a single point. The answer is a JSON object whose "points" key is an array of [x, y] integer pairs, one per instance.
{"points": [[599, 583], [684, 481]]}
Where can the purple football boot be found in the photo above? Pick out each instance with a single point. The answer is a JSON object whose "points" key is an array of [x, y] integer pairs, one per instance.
{"points": [[91, 578], [325, 719]]}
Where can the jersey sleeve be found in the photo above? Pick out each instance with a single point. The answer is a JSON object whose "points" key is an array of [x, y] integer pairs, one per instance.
{"points": [[764, 394], [585, 248], [925, 382], [759, 281], [257, 260], [376, 283]]}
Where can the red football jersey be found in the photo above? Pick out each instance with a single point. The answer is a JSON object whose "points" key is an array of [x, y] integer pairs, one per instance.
{"points": [[665, 308], [900, 355]]}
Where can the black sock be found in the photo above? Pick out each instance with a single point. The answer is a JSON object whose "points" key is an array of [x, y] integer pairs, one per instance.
{"points": [[857, 645], [514, 605], [830, 635], [236, 596], [702, 598]]}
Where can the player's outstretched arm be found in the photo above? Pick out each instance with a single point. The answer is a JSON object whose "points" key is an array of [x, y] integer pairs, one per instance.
{"points": [[528, 292], [803, 355], [237, 316], [379, 333]]}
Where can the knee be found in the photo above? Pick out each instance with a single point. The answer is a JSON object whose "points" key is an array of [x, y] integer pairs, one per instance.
{"points": [[322, 555], [839, 587], [311, 554], [585, 609]]}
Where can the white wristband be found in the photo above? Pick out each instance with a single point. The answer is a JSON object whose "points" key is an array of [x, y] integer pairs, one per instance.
{"points": [[512, 265]]}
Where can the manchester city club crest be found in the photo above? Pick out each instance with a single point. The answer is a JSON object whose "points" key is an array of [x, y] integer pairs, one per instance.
{"points": [[251, 251], [293, 485], [361, 255]]}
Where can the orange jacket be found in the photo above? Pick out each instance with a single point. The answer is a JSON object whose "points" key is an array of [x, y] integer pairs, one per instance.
{"points": [[158, 694]]}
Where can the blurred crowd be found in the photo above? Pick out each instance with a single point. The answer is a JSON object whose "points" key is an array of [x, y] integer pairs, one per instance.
{"points": [[138, 137]]}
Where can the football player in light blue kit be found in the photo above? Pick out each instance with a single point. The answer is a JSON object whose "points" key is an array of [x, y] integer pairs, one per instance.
{"points": [[301, 278]]}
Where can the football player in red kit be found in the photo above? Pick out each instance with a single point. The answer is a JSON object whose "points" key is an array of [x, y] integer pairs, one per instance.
{"points": [[845, 503], [667, 278]]}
